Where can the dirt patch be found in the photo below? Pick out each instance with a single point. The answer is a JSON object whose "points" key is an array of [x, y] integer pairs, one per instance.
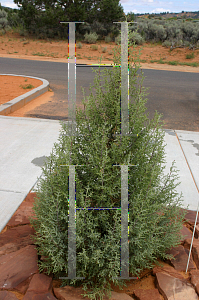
{"points": [[14, 86]]}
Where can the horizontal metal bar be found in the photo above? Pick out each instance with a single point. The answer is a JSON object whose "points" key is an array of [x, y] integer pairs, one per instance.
{"points": [[97, 208]]}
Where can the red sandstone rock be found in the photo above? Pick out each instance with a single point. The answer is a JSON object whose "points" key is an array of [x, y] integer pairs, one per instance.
{"points": [[42, 296], [72, 293], [191, 216], [169, 270], [15, 238], [40, 284], [21, 216], [17, 266], [195, 250], [147, 294], [5, 295], [173, 288], [187, 234], [196, 235], [23, 286], [180, 258], [195, 279]]}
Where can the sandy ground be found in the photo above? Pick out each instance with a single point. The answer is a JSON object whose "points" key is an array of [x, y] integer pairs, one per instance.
{"points": [[14, 86]]}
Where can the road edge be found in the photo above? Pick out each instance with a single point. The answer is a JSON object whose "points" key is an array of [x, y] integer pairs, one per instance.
{"points": [[20, 101]]}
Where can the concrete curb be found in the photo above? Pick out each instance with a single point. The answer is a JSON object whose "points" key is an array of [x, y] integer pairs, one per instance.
{"points": [[22, 100]]}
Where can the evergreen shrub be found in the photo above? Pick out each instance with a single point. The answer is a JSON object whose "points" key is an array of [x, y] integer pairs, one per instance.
{"points": [[155, 217]]}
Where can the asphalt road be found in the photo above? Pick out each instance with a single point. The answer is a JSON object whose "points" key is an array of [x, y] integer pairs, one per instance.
{"points": [[173, 94]]}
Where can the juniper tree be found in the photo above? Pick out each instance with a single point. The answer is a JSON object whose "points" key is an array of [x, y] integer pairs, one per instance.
{"points": [[155, 218]]}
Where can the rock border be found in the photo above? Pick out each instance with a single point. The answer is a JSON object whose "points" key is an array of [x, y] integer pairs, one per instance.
{"points": [[20, 101]]}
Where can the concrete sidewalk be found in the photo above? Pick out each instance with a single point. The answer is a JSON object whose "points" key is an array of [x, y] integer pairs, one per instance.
{"points": [[25, 142]]}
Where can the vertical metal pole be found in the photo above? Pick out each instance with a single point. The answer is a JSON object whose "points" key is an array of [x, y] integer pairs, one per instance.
{"points": [[72, 132], [71, 226], [124, 222], [124, 79], [72, 77], [124, 168]]}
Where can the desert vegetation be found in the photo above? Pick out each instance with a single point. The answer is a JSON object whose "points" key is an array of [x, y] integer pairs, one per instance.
{"points": [[31, 20]]}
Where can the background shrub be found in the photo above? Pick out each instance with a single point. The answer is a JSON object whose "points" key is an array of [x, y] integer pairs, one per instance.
{"points": [[90, 38], [167, 43], [108, 39], [3, 19]]}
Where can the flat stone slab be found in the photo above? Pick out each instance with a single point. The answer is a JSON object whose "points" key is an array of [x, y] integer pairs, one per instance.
{"points": [[175, 289], [5, 295], [194, 251], [147, 294], [180, 255], [17, 266], [72, 293], [15, 238], [39, 288]]}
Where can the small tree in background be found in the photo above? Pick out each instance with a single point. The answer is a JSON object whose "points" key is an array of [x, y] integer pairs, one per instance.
{"points": [[3, 19], [155, 218]]}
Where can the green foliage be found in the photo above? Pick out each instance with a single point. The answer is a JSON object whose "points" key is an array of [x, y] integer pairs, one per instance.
{"points": [[155, 218], [173, 63], [166, 44], [133, 36], [108, 39], [94, 47], [190, 56], [3, 19], [90, 38], [168, 30], [14, 19], [42, 18], [104, 49], [79, 45], [27, 86]]}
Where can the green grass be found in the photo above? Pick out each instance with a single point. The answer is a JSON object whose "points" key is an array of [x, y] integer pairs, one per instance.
{"points": [[190, 56], [27, 86], [194, 64], [38, 54], [160, 61], [173, 63]]}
